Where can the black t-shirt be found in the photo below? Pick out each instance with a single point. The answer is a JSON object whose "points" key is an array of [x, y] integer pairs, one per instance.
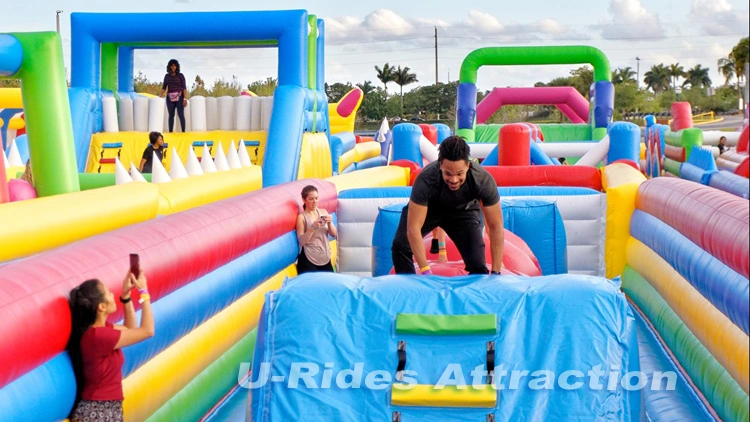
{"points": [[148, 155], [431, 190]]}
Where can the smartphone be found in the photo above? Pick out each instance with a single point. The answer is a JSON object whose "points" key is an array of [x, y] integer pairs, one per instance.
{"points": [[135, 264]]}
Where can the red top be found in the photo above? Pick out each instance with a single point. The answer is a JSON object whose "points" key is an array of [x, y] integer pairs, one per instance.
{"points": [[102, 364]]}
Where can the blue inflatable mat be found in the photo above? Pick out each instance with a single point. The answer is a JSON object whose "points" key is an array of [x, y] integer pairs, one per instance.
{"points": [[327, 348]]}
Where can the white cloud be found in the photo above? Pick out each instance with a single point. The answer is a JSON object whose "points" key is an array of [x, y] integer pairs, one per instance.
{"points": [[718, 17], [630, 20]]}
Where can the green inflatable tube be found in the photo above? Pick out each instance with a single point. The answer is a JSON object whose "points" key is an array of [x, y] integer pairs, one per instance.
{"points": [[504, 56], [90, 181], [47, 113], [719, 388], [203, 392]]}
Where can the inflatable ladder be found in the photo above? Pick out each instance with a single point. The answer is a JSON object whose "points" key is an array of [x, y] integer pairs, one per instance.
{"points": [[106, 147], [254, 155], [449, 396]]}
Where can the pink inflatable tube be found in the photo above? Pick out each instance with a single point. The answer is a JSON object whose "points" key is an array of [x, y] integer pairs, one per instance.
{"points": [[566, 98]]}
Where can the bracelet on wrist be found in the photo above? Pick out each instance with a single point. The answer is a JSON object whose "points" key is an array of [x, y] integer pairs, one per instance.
{"points": [[124, 300], [145, 297], [441, 244]]}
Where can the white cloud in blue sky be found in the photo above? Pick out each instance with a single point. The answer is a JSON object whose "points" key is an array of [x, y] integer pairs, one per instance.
{"points": [[361, 35]]}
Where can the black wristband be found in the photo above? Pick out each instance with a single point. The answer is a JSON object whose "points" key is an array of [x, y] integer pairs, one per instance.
{"points": [[124, 301], [495, 272]]}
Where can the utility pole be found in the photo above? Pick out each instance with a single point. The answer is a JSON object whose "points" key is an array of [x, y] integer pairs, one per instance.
{"points": [[57, 18], [436, 57]]}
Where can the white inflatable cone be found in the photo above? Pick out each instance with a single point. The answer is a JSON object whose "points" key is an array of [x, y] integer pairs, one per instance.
{"points": [[177, 170], [207, 163], [221, 159], [158, 172], [193, 166], [384, 129], [233, 159], [136, 175], [5, 160], [121, 174], [244, 156], [14, 157]]}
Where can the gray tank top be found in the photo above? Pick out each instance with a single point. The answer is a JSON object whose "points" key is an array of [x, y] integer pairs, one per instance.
{"points": [[317, 249]]}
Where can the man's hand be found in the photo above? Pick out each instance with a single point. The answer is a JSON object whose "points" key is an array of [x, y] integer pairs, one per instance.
{"points": [[414, 223], [493, 217]]}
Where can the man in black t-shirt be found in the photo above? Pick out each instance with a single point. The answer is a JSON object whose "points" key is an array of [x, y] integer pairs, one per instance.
{"points": [[147, 161], [449, 193]]}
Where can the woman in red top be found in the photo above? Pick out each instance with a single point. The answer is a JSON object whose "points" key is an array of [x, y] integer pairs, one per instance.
{"points": [[95, 345]]}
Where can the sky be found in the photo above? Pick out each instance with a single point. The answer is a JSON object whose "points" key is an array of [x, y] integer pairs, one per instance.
{"points": [[363, 34]]}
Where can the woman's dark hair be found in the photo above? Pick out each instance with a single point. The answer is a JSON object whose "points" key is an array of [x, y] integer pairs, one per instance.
{"points": [[153, 137], [306, 191], [454, 148], [84, 302], [169, 66]]}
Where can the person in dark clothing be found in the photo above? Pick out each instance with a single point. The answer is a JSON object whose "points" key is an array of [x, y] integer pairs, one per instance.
{"points": [[147, 161], [723, 145], [175, 89], [449, 194]]}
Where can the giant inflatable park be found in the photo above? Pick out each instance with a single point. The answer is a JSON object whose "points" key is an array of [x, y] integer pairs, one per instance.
{"points": [[623, 294]]}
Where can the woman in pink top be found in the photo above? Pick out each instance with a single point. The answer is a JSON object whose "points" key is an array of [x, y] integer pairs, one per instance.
{"points": [[313, 226], [95, 345]]}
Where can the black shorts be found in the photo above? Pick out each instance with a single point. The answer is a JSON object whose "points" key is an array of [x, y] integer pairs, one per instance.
{"points": [[305, 266]]}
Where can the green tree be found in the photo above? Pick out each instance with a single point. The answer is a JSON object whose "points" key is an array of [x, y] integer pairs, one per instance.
{"points": [[367, 87], [264, 88], [583, 77], [628, 98], [726, 67], [337, 91], [675, 71], [657, 78], [223, 87], [385, 75], [697, 77], [625, 74], [141, 84], [739, 55], [403, 77], [373, 106], [199, 87]]}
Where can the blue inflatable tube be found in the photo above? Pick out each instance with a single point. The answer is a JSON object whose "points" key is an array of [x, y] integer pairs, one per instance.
{"points": [[730, 182], [726, 289], [46, 393], [340, 144], [370, 163], [604, 104], [466, 105], [624, 142], [208, 295], [492, 158], [406, 143], [538, 156], [89, 30], [443, 131], [86, 115], [695, 173], [284, 136], [125, 66]]}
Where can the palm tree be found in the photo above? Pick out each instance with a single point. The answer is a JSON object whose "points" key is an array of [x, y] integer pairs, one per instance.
{"points": [[739, 55], [697, 77], [657, 78], [385, 75], [726, 67], [403, 77], [625, 74], [367, 87], [676, 71]]}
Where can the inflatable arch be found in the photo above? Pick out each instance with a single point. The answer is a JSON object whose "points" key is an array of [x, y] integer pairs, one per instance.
{"points": [[107, 42], [602, 91]]}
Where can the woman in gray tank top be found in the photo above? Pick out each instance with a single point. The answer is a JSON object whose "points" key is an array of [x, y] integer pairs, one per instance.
{"points": [[313, 227]]}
